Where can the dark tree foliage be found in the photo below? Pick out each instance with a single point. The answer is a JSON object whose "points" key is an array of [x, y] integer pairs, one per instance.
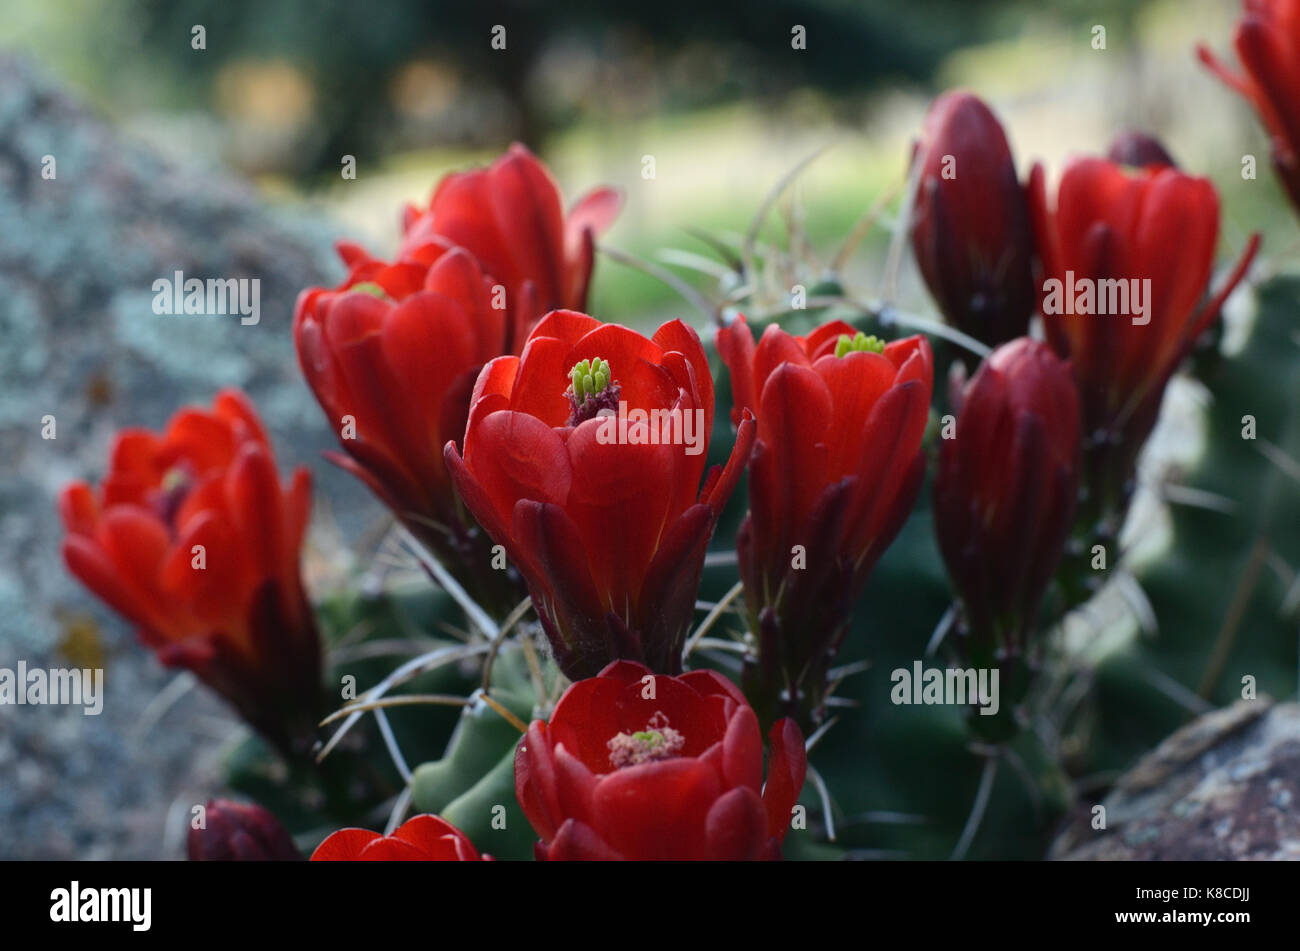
{"points": [[351, 51]]}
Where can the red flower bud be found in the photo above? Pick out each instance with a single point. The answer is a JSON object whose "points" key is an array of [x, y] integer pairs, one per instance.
{"points": [[192, 539], [240, 832], [392, 355], [1139, 150], [1126, 257], [509, 216], [835, 471], [1267, 39], [422, 839], [1005, 492], [642, 767], [583, 457], [970, 223]]}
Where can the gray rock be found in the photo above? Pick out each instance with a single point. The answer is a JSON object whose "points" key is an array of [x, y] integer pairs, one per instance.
{"points": [[78, 257], [1225, 786]]}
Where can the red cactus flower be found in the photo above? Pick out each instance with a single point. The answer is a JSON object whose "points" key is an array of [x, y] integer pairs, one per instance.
{"points": [[422, 839], [1126, 257], [835, 471], [583, 457], [192, 539], [643, 767], [970, 223], [392, 355], [1267, 39], [509, 216], [240, 832], [1004, 494]]}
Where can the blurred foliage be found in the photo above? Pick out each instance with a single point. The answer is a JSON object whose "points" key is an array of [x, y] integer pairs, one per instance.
{"points": [[565, 61], [1219, 594]]}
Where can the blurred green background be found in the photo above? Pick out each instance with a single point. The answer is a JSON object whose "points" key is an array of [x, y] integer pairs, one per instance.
{"points": [[714, 92]]}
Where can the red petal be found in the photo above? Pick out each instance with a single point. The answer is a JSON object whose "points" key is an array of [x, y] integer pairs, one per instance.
{"points": [[346, 845], [535, 786], [736, 827], [587, 718], [577, 842], [735, 345], [742, 750], [542, 380], [619, 499], [516, 456], [657, 810], [566, 325], [78, 508], [786, 765], [682, 338]]}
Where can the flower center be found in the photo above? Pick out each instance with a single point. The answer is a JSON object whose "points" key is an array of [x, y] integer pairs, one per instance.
{"points": [[858, 344], [371, 288], [172, 491], [657, 741], [592, 388]]}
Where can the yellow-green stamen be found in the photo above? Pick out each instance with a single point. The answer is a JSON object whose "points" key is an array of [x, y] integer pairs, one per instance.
{"points": [[859, 343], [589, 377]]}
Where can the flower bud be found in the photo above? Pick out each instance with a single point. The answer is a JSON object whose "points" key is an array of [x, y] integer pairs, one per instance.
{"points": [[1139, 150], [970, 223], [240, 832], [1004, 494]]}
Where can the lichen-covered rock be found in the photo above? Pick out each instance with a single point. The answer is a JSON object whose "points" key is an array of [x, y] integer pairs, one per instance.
{"points": [[79, 252], [1225, 786]]}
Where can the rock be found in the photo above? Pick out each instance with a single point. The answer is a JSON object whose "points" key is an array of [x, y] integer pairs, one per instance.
{"points": [[79, 253], [1225, 786]]}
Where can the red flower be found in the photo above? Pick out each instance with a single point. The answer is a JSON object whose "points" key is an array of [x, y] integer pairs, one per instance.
{"points": [[240, 832], [392, 355], [1004, 494], [1268, 43], [602, 511], [422, 839], [192, 539], [642, 767], [970, 223], [1125, 337], [509, 216], [835, 471]]}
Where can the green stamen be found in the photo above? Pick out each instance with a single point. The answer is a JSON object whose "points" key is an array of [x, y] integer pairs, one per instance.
{"points": [[858, 344], [589, 378], [175, 478], [369, 287]]}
